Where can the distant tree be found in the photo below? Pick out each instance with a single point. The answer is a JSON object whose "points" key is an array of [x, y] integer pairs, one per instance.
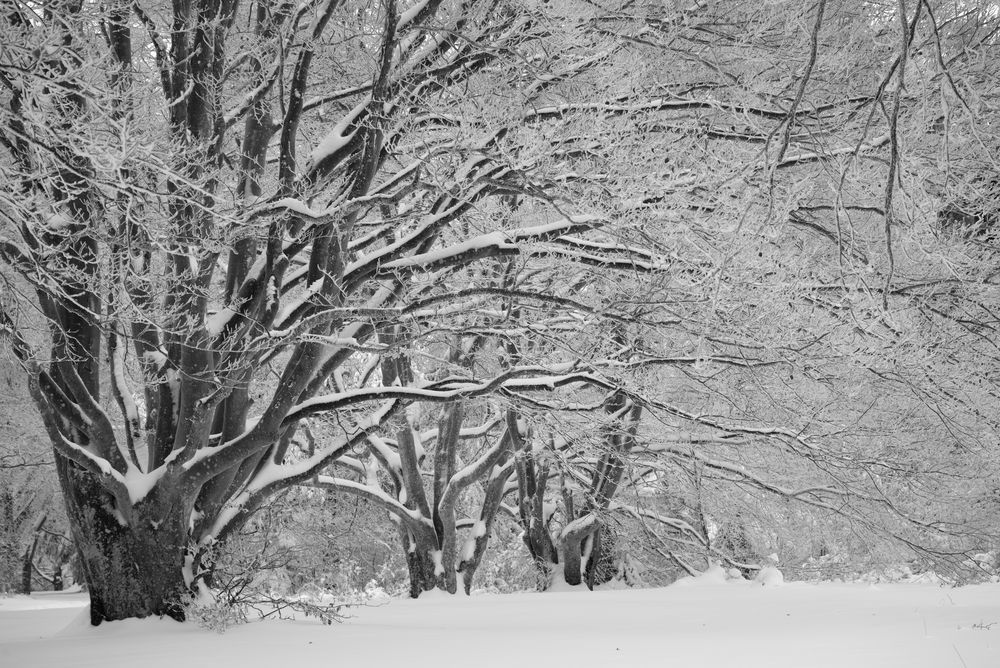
{"points": [[33, 548]]}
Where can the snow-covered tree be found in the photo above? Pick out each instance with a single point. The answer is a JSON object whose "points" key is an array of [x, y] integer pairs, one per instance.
{"points": [[242, 223], [215, 207]]}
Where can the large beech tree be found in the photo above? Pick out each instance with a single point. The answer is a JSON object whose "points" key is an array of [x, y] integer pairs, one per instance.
{"points": [[214, 207]]}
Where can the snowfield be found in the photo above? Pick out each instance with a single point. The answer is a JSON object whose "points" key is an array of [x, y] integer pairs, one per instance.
{"points": [[700, 622]]}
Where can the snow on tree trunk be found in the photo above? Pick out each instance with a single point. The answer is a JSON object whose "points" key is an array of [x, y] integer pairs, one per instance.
{"points": [[423, 563], [134, 566]]}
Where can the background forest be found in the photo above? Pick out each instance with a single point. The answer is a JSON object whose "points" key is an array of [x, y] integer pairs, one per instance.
{"points": [[325, 296]]}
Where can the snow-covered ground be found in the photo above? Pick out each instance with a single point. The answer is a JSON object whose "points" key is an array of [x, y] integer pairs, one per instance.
{"points": [[700, 623]]}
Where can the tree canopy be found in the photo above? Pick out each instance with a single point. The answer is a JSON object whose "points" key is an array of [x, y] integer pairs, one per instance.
{"points": [[617, 243]]}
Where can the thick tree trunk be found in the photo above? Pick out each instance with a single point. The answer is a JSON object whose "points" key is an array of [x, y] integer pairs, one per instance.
{"points": [[589, 557], [544, 556], [601, 566], [423, 572], [573, 564], [577, 548], [133, 565], [545, 571]]}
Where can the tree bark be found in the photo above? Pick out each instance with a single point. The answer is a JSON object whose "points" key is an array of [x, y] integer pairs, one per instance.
{"points": [[420, 565], [26, 562], [601, 566], [133, 565], [57, 578], [28, 559]]}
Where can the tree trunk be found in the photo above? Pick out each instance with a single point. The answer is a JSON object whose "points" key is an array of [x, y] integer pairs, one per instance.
{"points": [[572, 563], [133, 562], [545, 571], [26, 563], [422, 570], [63, 557], [577, 545], [28, 558], [601, 567]]}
